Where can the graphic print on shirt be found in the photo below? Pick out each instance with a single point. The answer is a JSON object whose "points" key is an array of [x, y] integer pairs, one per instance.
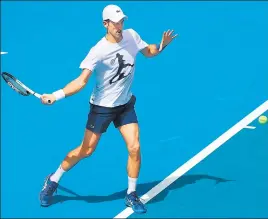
{"points": [[120, 75]]}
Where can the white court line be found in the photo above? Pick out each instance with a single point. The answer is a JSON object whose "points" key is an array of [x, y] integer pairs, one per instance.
{"points": [[250, 127], [3, 53], [198, 157]]}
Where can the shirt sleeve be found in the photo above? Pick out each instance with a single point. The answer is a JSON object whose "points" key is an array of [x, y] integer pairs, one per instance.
{"points": [[139, 42], [90, 61]]}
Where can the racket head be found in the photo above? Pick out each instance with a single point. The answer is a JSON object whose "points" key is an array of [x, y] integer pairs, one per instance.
{"points": [[15, 84]]}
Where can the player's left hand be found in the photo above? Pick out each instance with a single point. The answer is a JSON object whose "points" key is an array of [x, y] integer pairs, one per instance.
{"points": [[167, 38]]}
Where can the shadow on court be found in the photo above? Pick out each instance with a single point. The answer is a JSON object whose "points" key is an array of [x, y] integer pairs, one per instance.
{"points": [[142, 189]]}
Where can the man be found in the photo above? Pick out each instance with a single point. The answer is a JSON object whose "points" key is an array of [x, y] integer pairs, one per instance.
{"points": [[113, 60]]}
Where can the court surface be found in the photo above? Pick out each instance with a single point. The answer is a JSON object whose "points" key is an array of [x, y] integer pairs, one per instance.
{"points": [[211, 78]]}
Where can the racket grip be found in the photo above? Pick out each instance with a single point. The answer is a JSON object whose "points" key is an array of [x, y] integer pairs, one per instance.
{"points": [[39, 96]]}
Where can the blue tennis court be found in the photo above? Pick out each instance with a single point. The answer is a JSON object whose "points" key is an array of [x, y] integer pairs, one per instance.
{"points": [[211, 79]]}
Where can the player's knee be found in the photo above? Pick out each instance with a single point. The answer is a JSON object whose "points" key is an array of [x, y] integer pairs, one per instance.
{"points": [[86, 150], [86, 153], [134, 149]]}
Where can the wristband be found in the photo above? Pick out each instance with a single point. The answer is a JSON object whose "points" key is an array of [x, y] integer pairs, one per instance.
{"points": [[59, 94]]}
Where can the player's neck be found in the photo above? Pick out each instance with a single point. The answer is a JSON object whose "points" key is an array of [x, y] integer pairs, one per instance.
{"points": [[112, 39]]}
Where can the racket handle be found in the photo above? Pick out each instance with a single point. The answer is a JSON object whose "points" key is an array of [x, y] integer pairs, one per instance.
{"points": [[39, 96]]}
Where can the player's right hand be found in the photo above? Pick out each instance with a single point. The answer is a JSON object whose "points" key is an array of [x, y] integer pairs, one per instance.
{"points": [[48, 99]]}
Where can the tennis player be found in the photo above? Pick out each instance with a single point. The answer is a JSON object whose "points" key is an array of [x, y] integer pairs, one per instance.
{"points": [[113, 60]]}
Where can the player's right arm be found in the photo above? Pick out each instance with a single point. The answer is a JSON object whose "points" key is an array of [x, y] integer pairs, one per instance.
{"points": [[88, 65], [70, 89], [79, 83]]}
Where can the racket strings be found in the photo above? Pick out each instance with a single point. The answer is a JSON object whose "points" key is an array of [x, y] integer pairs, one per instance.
{"points": [[15, 86]]}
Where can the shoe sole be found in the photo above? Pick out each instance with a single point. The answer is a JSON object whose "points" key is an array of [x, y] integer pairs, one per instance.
{"points": [[135, 211], [42, 205]]}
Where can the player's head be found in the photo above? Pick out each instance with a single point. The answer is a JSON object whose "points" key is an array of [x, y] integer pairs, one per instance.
{"points": [[113, 20]]}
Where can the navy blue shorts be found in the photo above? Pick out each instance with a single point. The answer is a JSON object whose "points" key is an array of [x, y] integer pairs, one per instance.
{"points": [[99, 117]]}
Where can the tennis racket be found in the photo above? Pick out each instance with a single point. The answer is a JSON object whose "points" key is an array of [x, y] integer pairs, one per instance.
{"points": [[18, 86]]}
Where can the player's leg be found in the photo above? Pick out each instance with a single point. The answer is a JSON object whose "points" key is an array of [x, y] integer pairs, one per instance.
{"points": [[98, 122], [127, 124], [130, 133], [85, 149]]}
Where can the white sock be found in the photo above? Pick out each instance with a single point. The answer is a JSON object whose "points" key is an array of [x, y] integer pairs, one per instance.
{"points": [[132, 182], [57, 175]]}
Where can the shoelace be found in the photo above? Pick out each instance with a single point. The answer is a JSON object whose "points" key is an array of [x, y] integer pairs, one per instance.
{"points": [[49, 190], [136, 199]]}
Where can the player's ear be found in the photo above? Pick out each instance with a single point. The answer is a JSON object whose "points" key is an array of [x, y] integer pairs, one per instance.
{"points": [[106, 23]]}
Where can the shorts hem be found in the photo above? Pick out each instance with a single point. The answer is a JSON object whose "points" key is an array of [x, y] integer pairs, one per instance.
{"points": [[96, 131], [127, 123]]}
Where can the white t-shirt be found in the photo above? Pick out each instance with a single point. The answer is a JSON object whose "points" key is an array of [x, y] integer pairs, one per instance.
{"points": [[114, 65]]}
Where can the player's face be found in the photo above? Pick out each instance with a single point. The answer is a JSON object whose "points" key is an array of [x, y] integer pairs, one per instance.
{"points": [[115, 29]]}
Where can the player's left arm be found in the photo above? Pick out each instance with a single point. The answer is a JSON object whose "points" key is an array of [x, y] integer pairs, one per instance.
{"points": [[154, 49]]}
